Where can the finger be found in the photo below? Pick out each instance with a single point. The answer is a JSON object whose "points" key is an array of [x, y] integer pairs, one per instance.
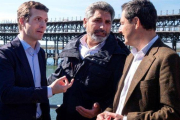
{"points": [[81, 111], [62, 78], [65, 80], [67, 84], [71, 83], [108, 118], [114, 115], [96, 105], [117, 119], [84, 110], [61, 83], [102, 116], [121, 118]]}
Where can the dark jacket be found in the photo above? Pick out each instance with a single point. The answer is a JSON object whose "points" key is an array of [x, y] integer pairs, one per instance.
{"points": [[96, 76], [18, 95]]}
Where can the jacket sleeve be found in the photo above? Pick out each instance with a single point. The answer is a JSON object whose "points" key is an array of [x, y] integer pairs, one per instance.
{"points": [[169, 87], [11, 94]]}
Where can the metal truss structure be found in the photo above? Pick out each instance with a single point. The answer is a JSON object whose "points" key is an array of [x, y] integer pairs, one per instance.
{"points": [[168, 28]]}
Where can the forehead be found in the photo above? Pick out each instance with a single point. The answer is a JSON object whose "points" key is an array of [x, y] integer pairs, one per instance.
{"points": [[123, 16], [101, 14], [40, 13]]}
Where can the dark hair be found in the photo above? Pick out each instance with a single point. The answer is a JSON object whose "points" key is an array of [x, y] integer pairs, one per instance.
{"points": [[24, 10], [144, 10], [101, 5]]}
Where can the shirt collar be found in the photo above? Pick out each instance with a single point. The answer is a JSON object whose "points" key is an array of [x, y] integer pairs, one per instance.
{"points": [[28, 48], [145, 48], [83, 43]]}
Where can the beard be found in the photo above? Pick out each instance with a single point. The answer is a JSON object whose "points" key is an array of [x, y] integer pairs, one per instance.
{"points": [[99, 39]]}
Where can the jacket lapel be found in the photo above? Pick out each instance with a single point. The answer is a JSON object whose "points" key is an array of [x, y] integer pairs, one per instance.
{"points": [[42, 66], [142, 69], [21, 55], [127, 65]]}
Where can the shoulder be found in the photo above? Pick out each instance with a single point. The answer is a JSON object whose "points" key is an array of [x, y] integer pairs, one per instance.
{"points": [[74, 42], [10, 46], [164, 55], [121, 48], [165, 51], [7, 48], [160, 50]]}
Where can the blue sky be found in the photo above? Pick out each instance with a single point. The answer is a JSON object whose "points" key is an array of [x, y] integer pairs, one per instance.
{"points": [[72, 9]]}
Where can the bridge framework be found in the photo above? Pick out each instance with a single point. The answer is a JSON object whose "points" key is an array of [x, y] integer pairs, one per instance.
{"points": [[167, 27]]}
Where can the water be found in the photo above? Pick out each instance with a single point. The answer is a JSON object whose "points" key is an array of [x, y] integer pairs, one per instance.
{"points": [[56, 99], [178, 53]]}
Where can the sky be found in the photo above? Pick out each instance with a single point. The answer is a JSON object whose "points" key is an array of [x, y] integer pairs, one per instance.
{"points": [[75, 9]]}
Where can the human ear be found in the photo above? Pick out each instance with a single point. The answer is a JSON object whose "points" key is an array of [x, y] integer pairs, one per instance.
{"points": [[84, 22], [136, 22], [21, 21]]}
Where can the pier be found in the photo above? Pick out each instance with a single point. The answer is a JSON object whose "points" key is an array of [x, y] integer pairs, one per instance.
{"points": [[60, 32]]}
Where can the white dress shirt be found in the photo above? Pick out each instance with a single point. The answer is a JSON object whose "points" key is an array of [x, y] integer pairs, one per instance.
{"points": [[85, 50], [32, 56], [138, 56]]}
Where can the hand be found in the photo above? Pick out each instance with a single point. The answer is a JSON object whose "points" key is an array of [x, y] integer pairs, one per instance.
{"points": [[108, 116], [104, 116], [61, 85], [89, 113]]}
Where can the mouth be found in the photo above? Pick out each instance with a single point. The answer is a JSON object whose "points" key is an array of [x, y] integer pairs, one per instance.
{"points": [[100, 33], [41, 32]]}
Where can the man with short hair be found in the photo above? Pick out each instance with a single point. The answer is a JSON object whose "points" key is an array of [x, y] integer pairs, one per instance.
{"points": [[23, 84], [95, 59], [149, 88]]}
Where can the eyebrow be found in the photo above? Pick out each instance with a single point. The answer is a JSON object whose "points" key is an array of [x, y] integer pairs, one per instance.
{"points": [[98, 18], [101, 18]]}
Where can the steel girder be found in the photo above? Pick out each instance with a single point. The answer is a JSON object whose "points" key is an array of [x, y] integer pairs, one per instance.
{"points": [[168, 28]]}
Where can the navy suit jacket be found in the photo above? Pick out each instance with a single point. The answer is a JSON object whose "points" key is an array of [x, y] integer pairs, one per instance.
{"points": [[18, 95]]}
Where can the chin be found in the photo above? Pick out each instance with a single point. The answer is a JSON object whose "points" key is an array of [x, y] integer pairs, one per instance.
{"points": [[39, 38], [126, 42]]}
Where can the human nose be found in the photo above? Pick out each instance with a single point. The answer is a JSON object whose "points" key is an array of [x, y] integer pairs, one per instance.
{"points": [[120, 29], [43, 24], [102, 25]]}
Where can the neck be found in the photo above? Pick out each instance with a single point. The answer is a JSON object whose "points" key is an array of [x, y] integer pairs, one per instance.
{"points": [[30, 41], [144, 38]]}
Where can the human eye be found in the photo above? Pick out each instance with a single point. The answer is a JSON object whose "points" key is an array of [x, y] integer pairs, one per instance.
{"points": [[121, 23], [46, 20], [108, 22], [38, 19], [97, 20]]}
